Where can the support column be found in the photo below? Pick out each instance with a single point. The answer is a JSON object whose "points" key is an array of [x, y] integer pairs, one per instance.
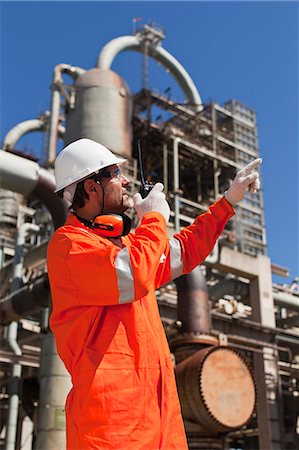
{"points": [[269, 414], [55, 384]]}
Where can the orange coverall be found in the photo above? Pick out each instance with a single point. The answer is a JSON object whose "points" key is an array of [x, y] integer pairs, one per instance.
{"points": [[109, 333]]}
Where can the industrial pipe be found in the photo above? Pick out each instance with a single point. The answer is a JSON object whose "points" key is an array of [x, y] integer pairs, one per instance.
{"points": [[21, 129], [11, 338], [27, 300], [57, 81], [123, 43], [286, 300], [26, 127], [229, 287], [193, 302], [236, 287], [27, 177]]}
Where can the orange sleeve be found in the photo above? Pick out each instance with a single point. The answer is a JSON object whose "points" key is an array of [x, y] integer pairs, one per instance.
{"points": [[193, 244]]}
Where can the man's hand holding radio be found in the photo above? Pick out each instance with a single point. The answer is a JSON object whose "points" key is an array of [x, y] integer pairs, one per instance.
{"points": [[246, 179], [155, 201]]}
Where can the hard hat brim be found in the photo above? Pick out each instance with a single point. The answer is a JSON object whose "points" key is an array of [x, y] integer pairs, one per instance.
{"points": [[118, 161]]}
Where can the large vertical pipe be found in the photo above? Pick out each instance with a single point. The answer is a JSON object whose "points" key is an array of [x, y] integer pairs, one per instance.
{"points": [[11, 338], [54, 122], [193, 302], [56, 86]]}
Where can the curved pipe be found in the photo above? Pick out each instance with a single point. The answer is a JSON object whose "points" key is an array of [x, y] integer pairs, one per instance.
{"points": [[123, 43], [21, 129], [27, 177], [193, 302], [26, 127], [57, 82]]}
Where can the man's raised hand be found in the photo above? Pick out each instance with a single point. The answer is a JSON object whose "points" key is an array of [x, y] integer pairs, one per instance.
{"points": [[246, 179]]}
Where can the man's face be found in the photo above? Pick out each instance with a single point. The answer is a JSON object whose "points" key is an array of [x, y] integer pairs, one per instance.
{"points": [[116, 199]]}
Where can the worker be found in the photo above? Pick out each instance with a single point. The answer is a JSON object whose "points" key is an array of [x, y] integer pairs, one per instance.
{"points": [[105, 317]]}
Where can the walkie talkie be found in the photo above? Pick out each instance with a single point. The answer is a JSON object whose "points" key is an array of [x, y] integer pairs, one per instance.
{"points": [[146, 186]]}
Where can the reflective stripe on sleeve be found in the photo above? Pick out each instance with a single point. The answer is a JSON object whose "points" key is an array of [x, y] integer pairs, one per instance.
{"points": [[124, 275], [176, 263]]}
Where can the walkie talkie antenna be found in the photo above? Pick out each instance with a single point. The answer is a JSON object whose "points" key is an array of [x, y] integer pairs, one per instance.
{"points": [[145, 186], [140, 162]]}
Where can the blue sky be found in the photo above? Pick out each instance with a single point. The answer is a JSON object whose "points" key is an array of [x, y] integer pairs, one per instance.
{"points": [[242, 50]]}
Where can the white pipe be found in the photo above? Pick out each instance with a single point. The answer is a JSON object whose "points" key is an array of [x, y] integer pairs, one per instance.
{"points": [[236, 287], [18, 174], [57, 82], [21, 129], [26, 127], [26, 177], [286, 300], [123, 43]]}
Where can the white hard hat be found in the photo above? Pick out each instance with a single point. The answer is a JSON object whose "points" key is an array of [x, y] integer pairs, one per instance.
{"points": [[80, 159]]}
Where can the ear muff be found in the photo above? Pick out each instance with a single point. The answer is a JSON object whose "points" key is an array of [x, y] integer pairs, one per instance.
{"points": [[109, 225], [112, 225]]}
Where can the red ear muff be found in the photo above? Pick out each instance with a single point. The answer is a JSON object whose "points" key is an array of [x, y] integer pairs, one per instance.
{"points": [[108, 225]]}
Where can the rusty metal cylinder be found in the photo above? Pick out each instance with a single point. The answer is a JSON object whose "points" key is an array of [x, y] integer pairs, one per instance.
{"points": [[102, 111], [216, 389], [193, 302]]}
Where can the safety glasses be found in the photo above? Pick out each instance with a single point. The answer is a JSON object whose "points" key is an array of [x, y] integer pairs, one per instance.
{"points": [[113, 173]]}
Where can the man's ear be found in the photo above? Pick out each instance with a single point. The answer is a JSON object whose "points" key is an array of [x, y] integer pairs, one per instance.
{"points": [[89, 186]]}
